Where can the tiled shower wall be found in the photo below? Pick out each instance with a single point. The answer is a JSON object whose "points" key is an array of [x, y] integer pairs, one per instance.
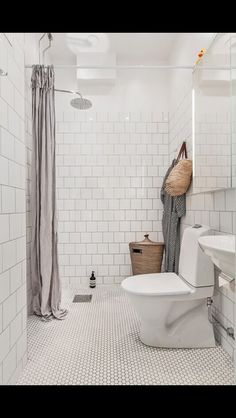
{"points": [[13, 344], [110, 168], [216, 209], [31, 56], [234, 154], [213, 152]]}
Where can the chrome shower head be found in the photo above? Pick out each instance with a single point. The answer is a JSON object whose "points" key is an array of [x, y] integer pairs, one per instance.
{"points": [[81, 103]]}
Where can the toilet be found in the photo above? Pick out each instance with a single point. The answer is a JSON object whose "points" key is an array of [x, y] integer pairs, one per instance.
{"points": [[173, 308]]}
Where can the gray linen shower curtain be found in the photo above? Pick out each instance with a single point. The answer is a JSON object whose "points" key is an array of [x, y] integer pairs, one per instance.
{"points": [[46, 284]]}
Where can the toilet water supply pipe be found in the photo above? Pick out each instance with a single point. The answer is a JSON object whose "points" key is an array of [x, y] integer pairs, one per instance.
{"points": [[213, 320]]}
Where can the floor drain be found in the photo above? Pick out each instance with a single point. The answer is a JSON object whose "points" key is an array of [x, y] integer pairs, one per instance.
{"points": [[82, 298]]}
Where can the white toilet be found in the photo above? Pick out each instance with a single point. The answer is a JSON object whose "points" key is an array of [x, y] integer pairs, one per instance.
{"points": [[173, 308]]}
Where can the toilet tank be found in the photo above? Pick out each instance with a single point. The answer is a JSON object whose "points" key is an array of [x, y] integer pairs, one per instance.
{"points": [[194, 265]]}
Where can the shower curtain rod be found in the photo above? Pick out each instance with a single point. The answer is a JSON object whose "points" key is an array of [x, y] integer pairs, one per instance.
{"points": [[114, 67], [135, 67]]}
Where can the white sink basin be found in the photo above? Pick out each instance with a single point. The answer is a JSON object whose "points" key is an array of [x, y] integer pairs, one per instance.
{"points": [[221, 250]]}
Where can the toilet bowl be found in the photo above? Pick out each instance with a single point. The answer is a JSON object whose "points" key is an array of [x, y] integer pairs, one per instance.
{"points": [[173, 308]]}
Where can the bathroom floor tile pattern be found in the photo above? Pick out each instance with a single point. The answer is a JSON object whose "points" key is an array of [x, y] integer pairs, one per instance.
{"points": [[98, 344]]}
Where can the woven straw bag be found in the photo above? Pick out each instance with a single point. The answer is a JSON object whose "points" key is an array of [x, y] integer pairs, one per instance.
{"points": [[180, 176]]}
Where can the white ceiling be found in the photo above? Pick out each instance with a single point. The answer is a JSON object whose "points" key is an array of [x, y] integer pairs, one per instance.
{"points": [[128, 47]]}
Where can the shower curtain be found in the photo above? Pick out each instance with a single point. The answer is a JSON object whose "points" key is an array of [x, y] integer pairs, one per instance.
{"points": [[46, 285]]}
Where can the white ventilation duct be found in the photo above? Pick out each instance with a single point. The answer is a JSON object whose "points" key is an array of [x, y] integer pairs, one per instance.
{"points": [[95, 74], [88, 42], [92, 49]]}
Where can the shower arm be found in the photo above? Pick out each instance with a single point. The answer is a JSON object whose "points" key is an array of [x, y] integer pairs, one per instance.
{"points": [[69, 91]]}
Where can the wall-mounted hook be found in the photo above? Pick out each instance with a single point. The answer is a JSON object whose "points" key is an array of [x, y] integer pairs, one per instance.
{"points": [[3, 73], [50, 37]]}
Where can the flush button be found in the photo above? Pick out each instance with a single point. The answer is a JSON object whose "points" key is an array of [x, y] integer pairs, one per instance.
{"points": [[197, 226]]}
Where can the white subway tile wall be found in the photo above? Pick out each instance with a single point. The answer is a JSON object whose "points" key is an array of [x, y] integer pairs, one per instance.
{"points": [[31, 55], [216, 209], [13, 342], [109, 173], [28, 149], [213, 149], [233, 132]]}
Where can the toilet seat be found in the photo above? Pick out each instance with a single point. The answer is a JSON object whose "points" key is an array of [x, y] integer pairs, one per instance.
{"points": [[156, 284]]}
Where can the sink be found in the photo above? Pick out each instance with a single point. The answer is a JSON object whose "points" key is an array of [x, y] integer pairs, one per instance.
{"points": [[221, 250]]}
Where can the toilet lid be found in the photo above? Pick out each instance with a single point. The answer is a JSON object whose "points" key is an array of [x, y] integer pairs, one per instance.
{"points": [[156, 284]]}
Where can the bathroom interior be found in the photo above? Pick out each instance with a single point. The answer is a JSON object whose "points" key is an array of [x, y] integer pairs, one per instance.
{"points": [[106, 278]]}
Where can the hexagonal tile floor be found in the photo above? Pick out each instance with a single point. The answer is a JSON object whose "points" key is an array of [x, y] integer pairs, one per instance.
{"points": [[98, 344]]}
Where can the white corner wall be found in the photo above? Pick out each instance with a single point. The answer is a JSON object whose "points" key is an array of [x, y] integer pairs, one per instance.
{"points": [[13, 289], [31, 57], [216, 209], [184, 53]]}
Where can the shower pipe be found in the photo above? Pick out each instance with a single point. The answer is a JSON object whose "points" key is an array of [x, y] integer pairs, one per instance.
{"points": [[69, 91], [8, 40], [229, 330], [213, 320], [50, 38], [2, 72]]}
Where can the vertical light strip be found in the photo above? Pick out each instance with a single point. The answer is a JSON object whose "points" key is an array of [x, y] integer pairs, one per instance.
{"points": [[193, 130]]}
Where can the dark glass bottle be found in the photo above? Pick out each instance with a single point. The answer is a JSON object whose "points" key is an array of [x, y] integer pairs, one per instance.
{"points": [[92, 280]]}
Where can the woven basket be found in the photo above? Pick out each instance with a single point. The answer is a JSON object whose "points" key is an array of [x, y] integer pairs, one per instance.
{"points": [[146, 256], [179, 178]]}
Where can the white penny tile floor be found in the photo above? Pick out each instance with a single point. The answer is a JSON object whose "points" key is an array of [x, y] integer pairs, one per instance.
{"points": [[98, 344]]}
